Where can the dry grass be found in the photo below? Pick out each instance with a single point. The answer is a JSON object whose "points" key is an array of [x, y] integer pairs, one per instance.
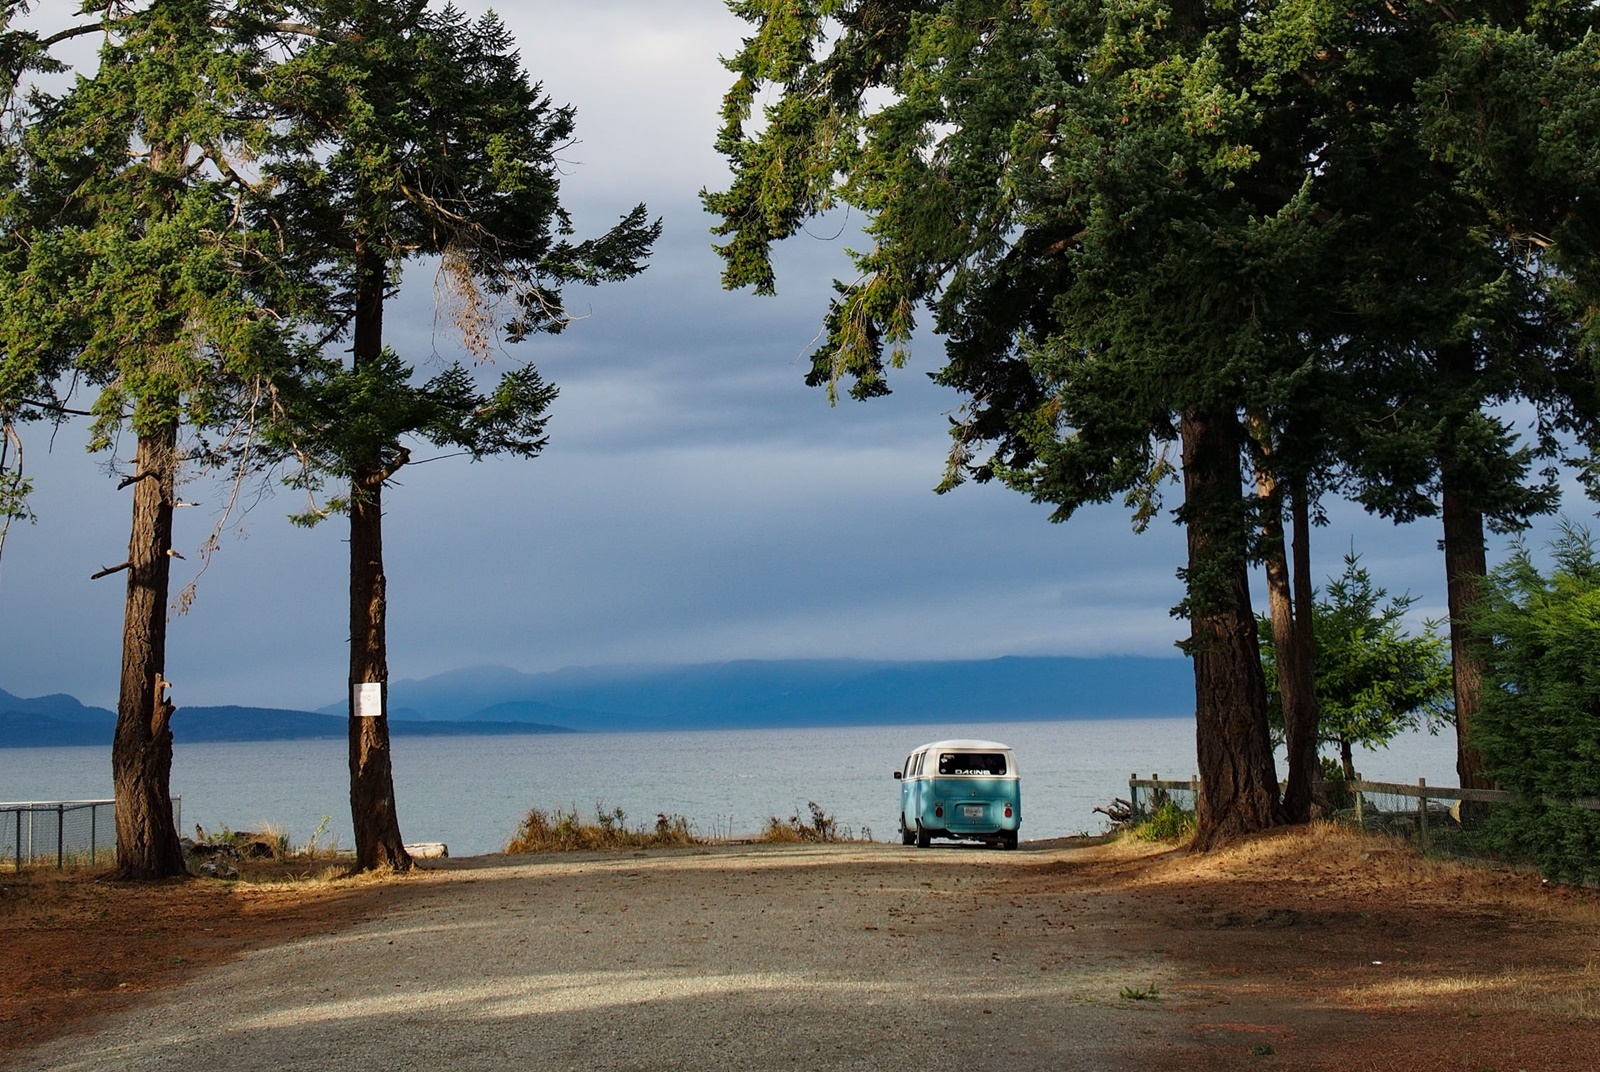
{"points": [[36, 892], [1327, 874], [267, 855], [1383, 866], [818, 827], [296, 871], [565, 832], [1519, 992], [777, 832], [42, 894]]}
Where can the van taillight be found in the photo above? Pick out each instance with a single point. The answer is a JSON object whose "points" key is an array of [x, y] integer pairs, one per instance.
{"points": [[1008, 811], [938, 811]]}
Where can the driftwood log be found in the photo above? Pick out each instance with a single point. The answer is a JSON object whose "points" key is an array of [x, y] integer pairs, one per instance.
{"points": [[1119, 811], [428, 850]]}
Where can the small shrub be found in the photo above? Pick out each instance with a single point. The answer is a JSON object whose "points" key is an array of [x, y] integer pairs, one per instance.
{"points": [[1334, 786], [1168, 823], [672, 830], [776, 831], [818, 827], [1149, 993], [277, 837], [311, 850], [563, 831]]}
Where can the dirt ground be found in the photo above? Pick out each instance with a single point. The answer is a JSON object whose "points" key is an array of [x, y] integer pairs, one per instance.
{"points": [[1323, 949], [1310, 949], [77, 947]]}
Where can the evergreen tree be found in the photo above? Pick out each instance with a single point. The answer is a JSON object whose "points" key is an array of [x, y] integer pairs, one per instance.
{"points": [[410, 132], [19, 51], [1373, 680], [1457, 306], [1175, 233], [138, 275], [1110, 214], [1540, 727]]}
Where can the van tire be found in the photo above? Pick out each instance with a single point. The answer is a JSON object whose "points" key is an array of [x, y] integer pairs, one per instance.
{"points": [[1008, 839], [924, 839], [906, 836]]}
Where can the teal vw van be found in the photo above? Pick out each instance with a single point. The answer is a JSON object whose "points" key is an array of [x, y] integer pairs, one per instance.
{"points": [[965, 790]]}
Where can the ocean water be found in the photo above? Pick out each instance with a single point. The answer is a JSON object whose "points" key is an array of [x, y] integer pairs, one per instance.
{"points": [[470, 792]]}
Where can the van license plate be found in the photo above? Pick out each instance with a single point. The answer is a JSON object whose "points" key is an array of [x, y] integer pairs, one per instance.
{"points": [[972, 811]]}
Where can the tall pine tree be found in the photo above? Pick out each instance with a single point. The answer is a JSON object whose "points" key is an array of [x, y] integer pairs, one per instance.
{"points": [[1451, 313], [140, 278], [409, 132]]}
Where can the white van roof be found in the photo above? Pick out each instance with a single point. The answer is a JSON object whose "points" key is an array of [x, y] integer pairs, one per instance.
{"points": [[960, 744]]}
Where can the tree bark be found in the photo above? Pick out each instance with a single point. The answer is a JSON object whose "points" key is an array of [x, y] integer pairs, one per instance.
{"points": [[1466, 563], [372, 805], [1310, 729], [1238, 786], [1295, 686], [141, 751]]}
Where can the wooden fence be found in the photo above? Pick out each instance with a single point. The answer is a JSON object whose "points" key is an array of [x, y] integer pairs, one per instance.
{"points": [[1359, 788]]}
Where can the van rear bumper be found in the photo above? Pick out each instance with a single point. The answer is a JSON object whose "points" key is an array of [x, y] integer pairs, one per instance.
{"points": [[992, 825], [991, 835]]}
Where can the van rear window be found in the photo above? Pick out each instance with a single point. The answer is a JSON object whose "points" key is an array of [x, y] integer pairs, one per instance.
{"points": [[972, 763]]}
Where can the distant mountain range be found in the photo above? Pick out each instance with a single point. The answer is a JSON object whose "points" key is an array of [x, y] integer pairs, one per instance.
{"points": [[750, 694], [61, 720]]}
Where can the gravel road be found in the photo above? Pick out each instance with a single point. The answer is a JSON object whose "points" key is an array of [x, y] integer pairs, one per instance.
{"points": [[761, 958]]}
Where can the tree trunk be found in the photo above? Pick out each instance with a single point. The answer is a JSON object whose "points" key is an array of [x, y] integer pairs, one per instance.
{"points": [[1238, 787], [141, 751], [1466, 563], [1309, 731], [372, 806], [1295, 687]]}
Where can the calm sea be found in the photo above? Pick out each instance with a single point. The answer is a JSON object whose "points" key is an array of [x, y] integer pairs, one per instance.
{"points": [[470, 792]]}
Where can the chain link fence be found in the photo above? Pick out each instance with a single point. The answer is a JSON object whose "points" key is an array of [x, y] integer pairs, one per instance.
{"points": [[62, 833]]}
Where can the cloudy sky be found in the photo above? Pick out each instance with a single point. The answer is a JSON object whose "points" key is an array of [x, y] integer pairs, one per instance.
{"points": [[697, 501]]}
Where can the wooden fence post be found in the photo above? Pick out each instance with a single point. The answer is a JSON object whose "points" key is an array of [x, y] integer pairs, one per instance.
{"points": [[1422, 812]]}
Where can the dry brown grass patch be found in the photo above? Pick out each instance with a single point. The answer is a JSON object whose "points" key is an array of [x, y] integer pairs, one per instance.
{"points": [[1338, 859], [564, 831], [1518, 992]]}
